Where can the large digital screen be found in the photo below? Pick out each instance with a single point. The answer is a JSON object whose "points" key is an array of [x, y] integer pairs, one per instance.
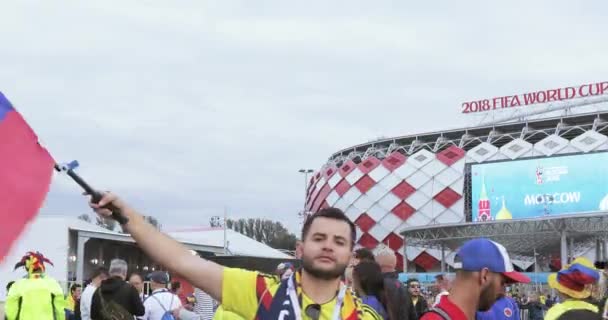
{"points": [[539, 187]]}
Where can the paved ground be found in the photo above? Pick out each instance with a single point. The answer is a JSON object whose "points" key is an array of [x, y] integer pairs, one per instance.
{"points": [[1, 310]]}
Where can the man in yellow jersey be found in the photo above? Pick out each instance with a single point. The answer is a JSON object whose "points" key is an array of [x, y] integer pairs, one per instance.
{"points": [[315, 292]]}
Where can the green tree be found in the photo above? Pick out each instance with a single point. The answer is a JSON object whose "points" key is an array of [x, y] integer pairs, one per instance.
{"points": [[215, 222], [85, 217], [271, 233]]}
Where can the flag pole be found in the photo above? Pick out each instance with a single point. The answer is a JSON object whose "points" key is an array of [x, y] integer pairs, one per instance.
{"points": [[225, 226], [95, 195]]}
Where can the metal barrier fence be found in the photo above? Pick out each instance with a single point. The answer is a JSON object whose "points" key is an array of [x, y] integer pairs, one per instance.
{"points": [[523, 314]]}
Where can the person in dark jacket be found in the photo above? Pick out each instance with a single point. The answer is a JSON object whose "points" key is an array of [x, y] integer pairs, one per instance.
{"points": [[396, 292], [419, 302], [115, 295], [534, 307]]}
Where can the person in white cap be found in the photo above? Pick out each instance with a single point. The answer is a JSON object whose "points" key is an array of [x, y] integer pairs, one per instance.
{"points": [[161, 301]]}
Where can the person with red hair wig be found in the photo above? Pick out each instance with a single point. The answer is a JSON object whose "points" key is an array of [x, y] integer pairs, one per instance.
{"points": [[36, 296]]}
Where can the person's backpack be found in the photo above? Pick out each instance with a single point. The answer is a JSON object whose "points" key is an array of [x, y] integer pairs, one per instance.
{"points": [[111, 310], [168, 315]]}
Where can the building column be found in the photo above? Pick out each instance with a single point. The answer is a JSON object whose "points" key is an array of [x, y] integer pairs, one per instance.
{"points": [[564, 249], [571, 250], [80, 258], [599, 252], [405, 258], [442, 258]]}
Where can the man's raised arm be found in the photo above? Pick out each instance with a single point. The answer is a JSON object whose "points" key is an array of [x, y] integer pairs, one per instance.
{"points": [[166, 251]]}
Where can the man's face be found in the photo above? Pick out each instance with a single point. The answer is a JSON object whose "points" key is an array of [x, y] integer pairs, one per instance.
{"points": [[136, 281], [414, 288], [77, 293], [441, 283], [326, 250], [492, 288]]}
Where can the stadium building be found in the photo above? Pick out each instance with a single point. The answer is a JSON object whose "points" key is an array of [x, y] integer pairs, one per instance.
{"points": [[535, 182]]}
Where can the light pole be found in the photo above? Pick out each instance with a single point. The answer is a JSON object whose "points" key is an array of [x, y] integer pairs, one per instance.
{"points": [[536, 270], [305, 172]]}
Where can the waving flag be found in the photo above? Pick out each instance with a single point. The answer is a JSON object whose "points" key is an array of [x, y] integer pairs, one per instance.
{"points": [[26, 169]]}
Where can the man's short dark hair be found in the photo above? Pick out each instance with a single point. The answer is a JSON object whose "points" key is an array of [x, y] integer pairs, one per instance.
{"points": [[74, 287], [410, 280], [330, 213], [364, 254], [100, 271], [135, 273], [439, 277]]}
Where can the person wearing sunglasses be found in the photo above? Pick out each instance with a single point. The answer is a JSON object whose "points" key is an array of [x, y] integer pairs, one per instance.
{"points": [[314, 292], [419, 302]]}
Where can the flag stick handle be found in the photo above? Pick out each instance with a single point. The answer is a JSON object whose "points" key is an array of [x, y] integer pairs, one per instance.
{"points": [[95, 195]]}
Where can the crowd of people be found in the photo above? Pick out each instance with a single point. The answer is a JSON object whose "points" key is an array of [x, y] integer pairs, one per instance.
{"points": [[333, 283]]}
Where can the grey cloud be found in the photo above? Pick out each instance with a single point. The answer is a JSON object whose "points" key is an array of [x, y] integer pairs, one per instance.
{"points": [[189, 107]]}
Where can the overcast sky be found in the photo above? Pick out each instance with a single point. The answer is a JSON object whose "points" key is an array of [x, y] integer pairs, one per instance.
{"points": [[184, 107]]}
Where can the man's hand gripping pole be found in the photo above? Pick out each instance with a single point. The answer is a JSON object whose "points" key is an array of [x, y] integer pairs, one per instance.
{"points": [[96, 196]]}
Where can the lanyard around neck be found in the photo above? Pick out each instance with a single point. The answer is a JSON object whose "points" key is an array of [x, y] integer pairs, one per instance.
{"points": [[295, 301]]}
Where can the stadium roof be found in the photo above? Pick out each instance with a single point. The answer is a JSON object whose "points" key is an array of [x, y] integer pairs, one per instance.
{"points": [[522, 238], [532, 130]]}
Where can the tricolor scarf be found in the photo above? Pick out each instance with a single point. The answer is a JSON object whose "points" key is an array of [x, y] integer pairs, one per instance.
{"points": [[279, 306]]}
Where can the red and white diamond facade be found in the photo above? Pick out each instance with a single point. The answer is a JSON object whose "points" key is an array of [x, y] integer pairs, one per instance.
{"points": [[406, 183], [383, 196]]}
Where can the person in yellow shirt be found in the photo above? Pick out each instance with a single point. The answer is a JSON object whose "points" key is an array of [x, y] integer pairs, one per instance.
{"points": [[72, 300], [573, 283], [314, 292]]}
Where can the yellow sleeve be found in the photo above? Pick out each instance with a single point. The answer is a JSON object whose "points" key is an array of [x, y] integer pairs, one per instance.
{"points": [[219, 313], [239, 292], [70, 303], [11, 305], [553, 313], [59, 302], [59, 307]]}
